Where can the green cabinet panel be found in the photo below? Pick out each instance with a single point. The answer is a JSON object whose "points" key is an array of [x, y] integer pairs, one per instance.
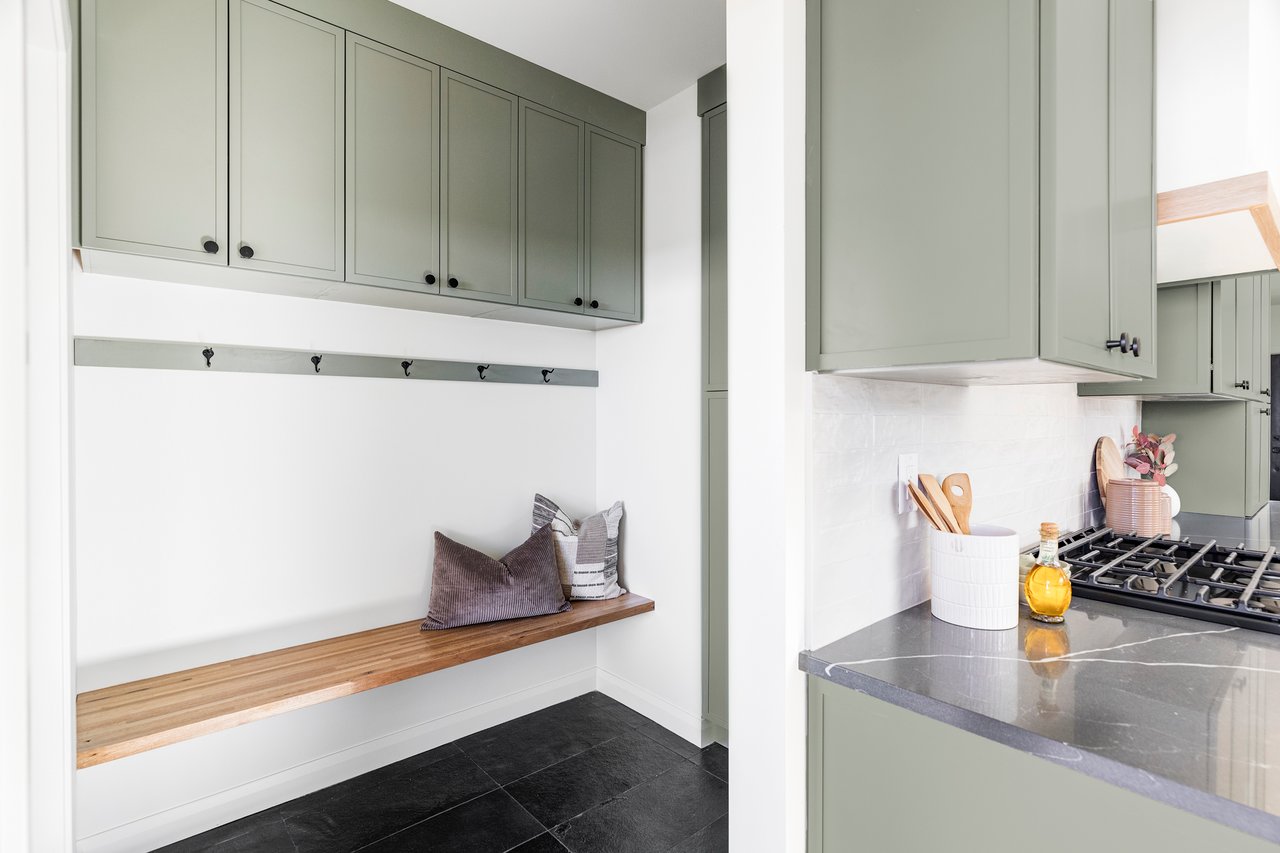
{"points": [[153, 103], [1075, 191], [715, 249], [716, 419], [882, 778], [1185, 363], [1237, 337], [1224, 453], [393, 168], [614, 196], [1262, 336], [479, 148], [552, 218], [286, 126]]}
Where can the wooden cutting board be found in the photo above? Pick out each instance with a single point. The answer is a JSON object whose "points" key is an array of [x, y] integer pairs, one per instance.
{"points": [[1108, 465]]}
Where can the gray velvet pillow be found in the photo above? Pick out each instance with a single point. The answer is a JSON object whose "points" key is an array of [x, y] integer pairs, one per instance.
{"points": [[469, 587]]}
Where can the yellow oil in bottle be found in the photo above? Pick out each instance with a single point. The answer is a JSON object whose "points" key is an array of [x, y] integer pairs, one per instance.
{"points": [[1048, 585]]}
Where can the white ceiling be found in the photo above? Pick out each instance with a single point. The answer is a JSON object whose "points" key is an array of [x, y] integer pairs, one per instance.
{"points": [[639, 51]]}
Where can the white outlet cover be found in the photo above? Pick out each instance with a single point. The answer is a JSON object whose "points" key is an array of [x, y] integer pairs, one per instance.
{"points": [[908, 472]]}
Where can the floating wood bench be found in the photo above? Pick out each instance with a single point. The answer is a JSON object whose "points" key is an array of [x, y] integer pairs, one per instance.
{"points": [[130, 718]]}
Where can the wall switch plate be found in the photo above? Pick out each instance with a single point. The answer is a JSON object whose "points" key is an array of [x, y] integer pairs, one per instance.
{"points": [[908, 472]]}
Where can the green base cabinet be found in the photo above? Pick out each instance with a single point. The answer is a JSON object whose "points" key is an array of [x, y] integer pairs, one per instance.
{"points": [[980, 187], [1223, 453], [885, 779], [1215, 342]]}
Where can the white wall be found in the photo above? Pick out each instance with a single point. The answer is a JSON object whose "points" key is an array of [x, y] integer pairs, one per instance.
{"points": [[649, 437], [225, 514], [1028, 450]]}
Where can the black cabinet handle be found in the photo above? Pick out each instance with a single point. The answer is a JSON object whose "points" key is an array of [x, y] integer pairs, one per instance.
{"points": [[431, 279], [577, 300], [1266, 392], [1244, 385], [1122, 343], [246, 251], [595, 304], [453, 282], [211, 246], [1266, 412], [1137, 342]]}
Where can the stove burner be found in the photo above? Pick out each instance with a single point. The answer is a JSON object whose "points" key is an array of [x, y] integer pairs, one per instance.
{"points": [[1228, 584]]}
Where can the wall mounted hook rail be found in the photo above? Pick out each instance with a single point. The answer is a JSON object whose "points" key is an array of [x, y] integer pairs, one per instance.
{"points": [[171, 355]]}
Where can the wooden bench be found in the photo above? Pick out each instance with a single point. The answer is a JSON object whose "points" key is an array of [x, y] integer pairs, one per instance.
{"points": [[130, 718]]}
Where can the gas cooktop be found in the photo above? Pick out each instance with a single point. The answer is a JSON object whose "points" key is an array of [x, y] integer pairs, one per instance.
{"points": [[1228, 584]]}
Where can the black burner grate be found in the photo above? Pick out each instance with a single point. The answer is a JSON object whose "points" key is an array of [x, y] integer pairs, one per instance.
{"points": [[1231, 585]]}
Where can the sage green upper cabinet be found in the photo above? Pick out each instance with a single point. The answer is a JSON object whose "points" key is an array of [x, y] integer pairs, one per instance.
{"points": [[552, 217], [154, 128], [1237, 343], [715, 248], [1262, 320], [614, 196], [287, 98], [393, 168], [980, 199], [479, 146]]}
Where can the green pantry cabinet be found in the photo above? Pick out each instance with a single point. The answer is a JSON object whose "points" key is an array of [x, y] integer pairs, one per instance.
{"points": [[1213, 390], [250, 135], [980, 189]]}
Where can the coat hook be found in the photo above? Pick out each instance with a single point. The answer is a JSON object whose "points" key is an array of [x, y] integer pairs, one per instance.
{"points": [[207, 352], [406, 365], [315, 359], [546, 373], [481, 368]]}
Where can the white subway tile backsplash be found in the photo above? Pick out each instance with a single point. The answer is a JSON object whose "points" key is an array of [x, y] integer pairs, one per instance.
{"points": [[1028, 450]]}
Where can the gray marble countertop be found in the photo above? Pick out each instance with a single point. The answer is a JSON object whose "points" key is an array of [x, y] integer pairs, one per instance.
{"points": [[1183, 711]]}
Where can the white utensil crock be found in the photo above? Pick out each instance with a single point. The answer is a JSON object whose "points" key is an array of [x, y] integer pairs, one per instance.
{"points": [[975, 577]]}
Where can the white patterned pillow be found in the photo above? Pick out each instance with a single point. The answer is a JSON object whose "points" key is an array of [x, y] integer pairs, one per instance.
{"points": [[586, 551]]}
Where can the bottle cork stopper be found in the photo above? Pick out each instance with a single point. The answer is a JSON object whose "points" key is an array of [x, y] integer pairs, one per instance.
{"points": [[1048, 530]]}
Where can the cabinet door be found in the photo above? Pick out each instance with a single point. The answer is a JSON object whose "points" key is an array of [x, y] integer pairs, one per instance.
{"points": [[393, 168], [715, 249], [1185, 364], [552, 220], [479, 146], [286, 141], [1257, 425], [1246, 335], [154, 127], [1230, 302], [1075, 192], [1262, 317], [717, 558], [614, 193], [1133, 224]]}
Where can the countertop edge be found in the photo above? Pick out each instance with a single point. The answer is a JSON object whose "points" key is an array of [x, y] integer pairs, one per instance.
{"points": [[1200, 803]]}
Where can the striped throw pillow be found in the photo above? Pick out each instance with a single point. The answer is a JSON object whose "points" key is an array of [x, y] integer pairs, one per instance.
{"points": [[586, 551]]}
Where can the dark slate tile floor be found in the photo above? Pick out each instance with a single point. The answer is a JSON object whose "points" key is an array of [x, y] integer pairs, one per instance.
{"points": [[587, 776]]}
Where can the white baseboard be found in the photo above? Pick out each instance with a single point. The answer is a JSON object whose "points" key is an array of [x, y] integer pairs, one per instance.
{"points": [[651, 705], [208, 812]]}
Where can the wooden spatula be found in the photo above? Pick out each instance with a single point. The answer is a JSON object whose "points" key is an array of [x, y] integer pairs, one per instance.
{"points": [[926, 506], [940, 502], [960, 495]]}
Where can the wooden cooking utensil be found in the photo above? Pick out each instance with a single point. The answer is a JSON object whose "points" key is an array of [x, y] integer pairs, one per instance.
{"points": [[959, 494], [940, 502], [1108, 465], [926, 506]]}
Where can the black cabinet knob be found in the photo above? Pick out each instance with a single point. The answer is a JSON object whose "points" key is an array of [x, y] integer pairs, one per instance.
{"points": [[577, 300], [1266, 392], [431, 279], [246, 251], [211, 246], [1137, 343], [1266, 412], [595, 304], [1244, 385], [1122, 343], [453, 282]]}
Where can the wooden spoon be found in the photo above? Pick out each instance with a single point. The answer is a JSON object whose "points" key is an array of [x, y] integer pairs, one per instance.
{"points": [[940, 502], [926, 507], [959, 493]]}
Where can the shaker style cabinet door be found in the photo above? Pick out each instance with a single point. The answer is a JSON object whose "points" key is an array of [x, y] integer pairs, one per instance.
{"points": [[717, 557], [154, 128], [1133, 227], [552, 219], [614, 196], [393, 168], [715, 248], [480, 130], [286, 141], [1075, 193]]}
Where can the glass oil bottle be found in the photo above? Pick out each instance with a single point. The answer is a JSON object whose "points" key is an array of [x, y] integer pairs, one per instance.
{"points": [[1048, 584]]}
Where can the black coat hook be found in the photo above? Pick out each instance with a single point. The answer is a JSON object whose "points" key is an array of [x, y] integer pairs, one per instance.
{"points": [[406, 365], [207, 352], [481, 368], [546, 373], [315, 359]]}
